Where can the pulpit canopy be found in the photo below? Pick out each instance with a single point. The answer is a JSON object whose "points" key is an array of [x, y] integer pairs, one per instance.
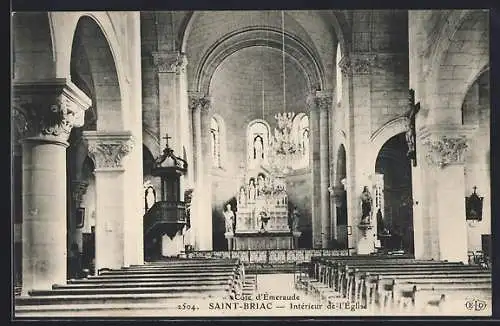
{"points": [[168, 163]]}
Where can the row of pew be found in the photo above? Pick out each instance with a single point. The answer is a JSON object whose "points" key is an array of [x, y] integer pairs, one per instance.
{"points": [[158, 285], [395, 284]]}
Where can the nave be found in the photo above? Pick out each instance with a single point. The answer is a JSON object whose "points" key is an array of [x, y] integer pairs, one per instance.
{"points": [[249, 143], [325, 286]]}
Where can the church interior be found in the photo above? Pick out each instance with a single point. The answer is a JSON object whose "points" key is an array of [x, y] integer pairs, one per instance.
{"points": [[162, 157]]}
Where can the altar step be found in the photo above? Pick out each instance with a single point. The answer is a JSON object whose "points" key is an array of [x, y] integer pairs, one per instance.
{"points": [[283, 268], [250, 285]]}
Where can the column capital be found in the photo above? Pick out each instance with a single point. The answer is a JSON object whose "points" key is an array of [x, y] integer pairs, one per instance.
{"points": [[47, 109], [107, 149], [169, 62], [321, 100], [357, 63], [445, 145], [366, 63], [199, 100], [78, 189]]}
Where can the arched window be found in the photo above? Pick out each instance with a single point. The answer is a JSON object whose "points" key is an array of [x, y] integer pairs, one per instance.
{"points": [[258, 142], [215, 142], [339, 74], [300, 129]]}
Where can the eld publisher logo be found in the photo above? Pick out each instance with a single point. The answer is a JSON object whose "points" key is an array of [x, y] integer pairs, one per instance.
{"points": [[475, 304]]}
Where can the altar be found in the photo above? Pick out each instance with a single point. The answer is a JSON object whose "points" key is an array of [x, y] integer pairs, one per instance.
{"points": [[256, 241], [262, 215]]}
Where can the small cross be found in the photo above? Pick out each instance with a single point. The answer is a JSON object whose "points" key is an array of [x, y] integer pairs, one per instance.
{"points": [[167, 137], [474, 189]]}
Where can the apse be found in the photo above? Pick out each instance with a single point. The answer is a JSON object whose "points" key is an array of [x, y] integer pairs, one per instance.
{"points": [[248, 85]]}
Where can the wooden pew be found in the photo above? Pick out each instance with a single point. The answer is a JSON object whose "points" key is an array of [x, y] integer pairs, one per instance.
{"points": [[417, 298], [356, 283], [153, 284], [327, 268], [379, 287], [356, 286], [344, 274]]}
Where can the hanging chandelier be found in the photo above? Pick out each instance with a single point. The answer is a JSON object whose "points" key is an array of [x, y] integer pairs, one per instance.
{"points": [[284, 153]]}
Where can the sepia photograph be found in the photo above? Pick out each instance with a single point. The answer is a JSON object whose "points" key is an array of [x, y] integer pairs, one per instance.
{"points": [[251, 163]]}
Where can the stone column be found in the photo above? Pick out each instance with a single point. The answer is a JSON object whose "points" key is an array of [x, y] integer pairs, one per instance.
{"points": [[78, 189], [48, 109], [169, 65], [445, 227], [357, 67], [201, 219], [108, 149], [183, 128], [324, 102], [206, 116], [315, 170], [378, 201]]}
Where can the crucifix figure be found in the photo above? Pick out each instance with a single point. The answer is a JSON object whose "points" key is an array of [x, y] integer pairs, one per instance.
{"points": [[410, 132], [167, 137]]}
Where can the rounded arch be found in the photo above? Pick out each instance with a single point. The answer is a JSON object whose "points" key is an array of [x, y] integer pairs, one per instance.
{"points": [[151, 142], [463, 41], [33, 46], [341, 137], [255, 121], [237, 40], [64, 24], [92, 56], [395, 201], [474, 77], [384, 133], [341, 27], [336, 19]]}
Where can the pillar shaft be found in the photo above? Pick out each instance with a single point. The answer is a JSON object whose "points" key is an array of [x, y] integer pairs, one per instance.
{"points": [[201, 216], [197, 162], [315, 172], [358, 69], [206, 116], [108, 150], [324, 107], [169, 65], [44, 214], [47, 110], [444, 225]]}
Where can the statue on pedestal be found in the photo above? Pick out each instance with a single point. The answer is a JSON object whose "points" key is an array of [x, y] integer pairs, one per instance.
{"points": [[251, 190], [242, 197], [229, 218], [295, 219], [366, 206]]}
